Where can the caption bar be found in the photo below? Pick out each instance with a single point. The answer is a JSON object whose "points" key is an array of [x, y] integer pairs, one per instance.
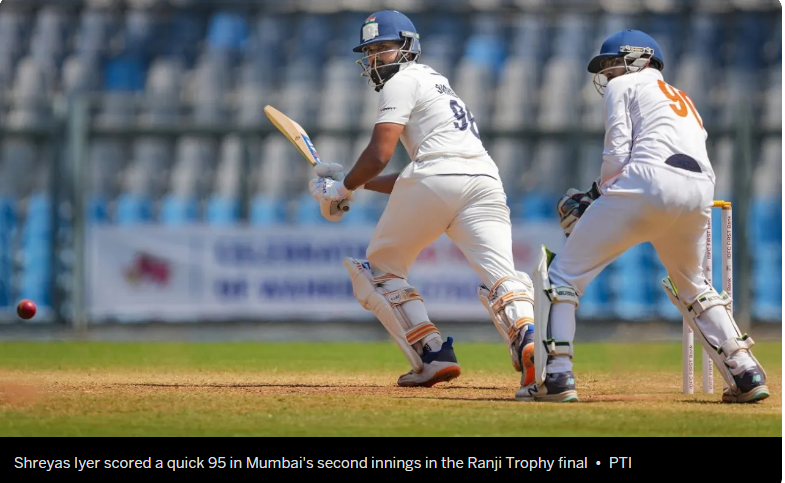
{"points": [[228, 462]]}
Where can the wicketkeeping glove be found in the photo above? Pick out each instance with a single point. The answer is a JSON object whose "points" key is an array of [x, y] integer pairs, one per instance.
{"points": [[572, 206]]}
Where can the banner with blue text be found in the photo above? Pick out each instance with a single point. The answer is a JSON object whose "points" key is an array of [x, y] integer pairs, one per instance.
{"points": [[203, 273]]}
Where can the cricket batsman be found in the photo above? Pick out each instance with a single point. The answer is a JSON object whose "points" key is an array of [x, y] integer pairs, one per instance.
{"points": [[656, 185], [450, 186]]}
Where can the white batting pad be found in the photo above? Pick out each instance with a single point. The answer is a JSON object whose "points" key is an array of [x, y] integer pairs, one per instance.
{"points": [[510, 303], [386, 302]]}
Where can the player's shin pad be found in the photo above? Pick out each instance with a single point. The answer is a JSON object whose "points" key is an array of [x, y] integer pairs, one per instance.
{"points": [[384, 294], [545, 295], [728, 348], [507, 314]]}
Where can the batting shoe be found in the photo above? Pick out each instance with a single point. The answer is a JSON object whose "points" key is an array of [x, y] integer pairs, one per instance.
{"points": [[526, 355], [438, 366], [559, 387], [751, 387]]}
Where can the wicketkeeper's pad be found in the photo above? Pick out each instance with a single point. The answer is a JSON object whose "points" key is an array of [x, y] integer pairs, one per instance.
{"points": [[546, 294], [691, 312]]}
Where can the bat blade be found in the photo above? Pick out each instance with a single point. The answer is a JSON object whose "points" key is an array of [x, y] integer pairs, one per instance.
{"points": [[299, 138], [294, 133]]}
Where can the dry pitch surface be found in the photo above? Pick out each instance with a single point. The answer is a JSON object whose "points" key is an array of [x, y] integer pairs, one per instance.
{"points": [[345, 389]]}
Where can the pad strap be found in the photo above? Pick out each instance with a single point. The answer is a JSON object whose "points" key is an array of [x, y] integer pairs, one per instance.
{"points": [[420, 331], [399, 297], [558, 347], [707, 301], [563, 293], [512, 332], [735, 344], [402, 295], [510, 297]]}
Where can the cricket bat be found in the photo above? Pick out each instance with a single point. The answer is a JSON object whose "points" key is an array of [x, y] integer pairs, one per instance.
{"points": [[297, 136]]}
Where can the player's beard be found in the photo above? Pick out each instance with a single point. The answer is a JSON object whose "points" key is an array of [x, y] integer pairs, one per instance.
{"points": [[382, 73]]}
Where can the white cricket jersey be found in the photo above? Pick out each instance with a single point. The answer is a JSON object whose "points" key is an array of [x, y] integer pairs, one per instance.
{"points": [[647, 121], [440, 134]]}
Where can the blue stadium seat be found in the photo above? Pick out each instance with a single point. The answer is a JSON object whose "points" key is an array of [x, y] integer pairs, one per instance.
{"points": [[767, 282], [361, 214], [223, 210], [36, 248], [38, 218], [177, 210], [97, 209], [535, 206], [134, 209], [267, 211], [765, 220], [186, 31], [7, 214], [312, 35], [124, 73], [632, 284], [595, 301], [486, 50], [141, 34], [227, 31], [308, 211], [7, 228]]}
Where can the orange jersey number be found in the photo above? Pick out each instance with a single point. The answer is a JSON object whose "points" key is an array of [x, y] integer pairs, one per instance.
{"points": [[681, 101]]}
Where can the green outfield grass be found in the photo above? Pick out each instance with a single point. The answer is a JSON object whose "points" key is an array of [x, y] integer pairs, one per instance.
{"points": [[348, 389]]}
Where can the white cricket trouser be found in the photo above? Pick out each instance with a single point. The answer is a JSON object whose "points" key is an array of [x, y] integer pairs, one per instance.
{"points": [[665, 206], [471, 209]]}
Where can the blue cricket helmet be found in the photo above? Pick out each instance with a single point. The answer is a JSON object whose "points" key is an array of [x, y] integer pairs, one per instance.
{"points": [[625, 42], [388, 25]]}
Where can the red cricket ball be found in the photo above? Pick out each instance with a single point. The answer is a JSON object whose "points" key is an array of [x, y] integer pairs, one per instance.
{"points": [[26, 309]]}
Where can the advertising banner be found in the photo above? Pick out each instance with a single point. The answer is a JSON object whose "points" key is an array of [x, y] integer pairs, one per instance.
{"points": [[204, 273]]}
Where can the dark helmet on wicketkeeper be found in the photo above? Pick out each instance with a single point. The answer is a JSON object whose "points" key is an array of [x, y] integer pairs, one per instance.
{"points": [[389, 40], [624, 52]]}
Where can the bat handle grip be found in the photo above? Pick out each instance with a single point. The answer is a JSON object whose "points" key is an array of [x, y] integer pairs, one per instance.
{"points": [[343, 205]]}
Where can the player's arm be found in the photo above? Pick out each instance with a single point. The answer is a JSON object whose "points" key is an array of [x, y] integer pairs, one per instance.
{"points": [[396, 102], [618, 128], [382, 184], [374, 159]]}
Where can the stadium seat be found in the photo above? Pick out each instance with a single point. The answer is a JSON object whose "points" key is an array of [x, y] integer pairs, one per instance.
{"points": [[537, 206], [7, 231], [227, 31], [179, 210], [267, 211], [124, 73], [223, 210], [308, 211], [595, 301], [631, 284], [133, 209], [37, 222], [98, 209], [767, 282]]}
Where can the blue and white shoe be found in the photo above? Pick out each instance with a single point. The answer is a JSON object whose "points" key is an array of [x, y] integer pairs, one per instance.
{"points": [[438, 366], [751, 387], [559, 387]]}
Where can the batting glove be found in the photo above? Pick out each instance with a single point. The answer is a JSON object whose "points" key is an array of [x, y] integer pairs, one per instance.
{"points": [[328, 189]]}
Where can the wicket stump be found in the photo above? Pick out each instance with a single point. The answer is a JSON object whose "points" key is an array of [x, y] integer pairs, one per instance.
{"points": [[688, 340]]}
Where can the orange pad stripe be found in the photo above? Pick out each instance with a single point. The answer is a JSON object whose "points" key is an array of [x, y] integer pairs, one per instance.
{"points": [[422, 330]]}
